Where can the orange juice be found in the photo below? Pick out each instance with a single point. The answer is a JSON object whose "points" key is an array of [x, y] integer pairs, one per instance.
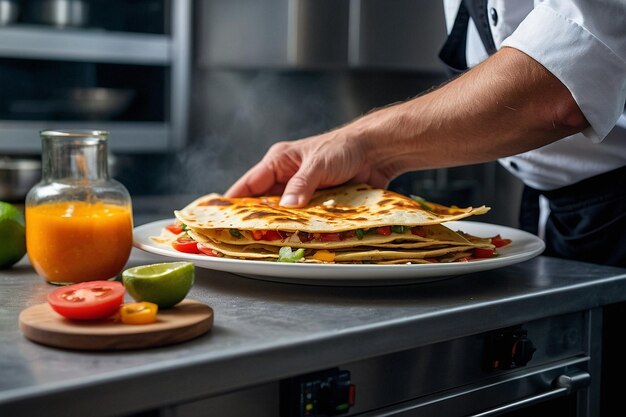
{"points": [[75, 241]]}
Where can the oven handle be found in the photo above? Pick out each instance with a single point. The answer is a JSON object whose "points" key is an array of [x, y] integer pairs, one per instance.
{"points": [[565, 384]]}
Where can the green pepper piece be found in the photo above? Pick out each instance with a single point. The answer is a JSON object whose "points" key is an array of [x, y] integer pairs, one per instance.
{"points": [[235, 233], [398, 229], [422, 202], [285, 254], [360, 234]]}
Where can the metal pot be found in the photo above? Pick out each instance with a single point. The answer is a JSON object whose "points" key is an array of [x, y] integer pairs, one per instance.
{"points": [[61, 13], [17, 177]]}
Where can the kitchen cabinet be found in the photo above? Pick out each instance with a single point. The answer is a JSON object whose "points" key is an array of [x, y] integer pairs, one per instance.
{"points": [[410, 348], [43, 68]]}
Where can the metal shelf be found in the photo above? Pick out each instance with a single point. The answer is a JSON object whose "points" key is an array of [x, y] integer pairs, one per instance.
{"points": [[106, 47], [23, 137], [35, 42]]}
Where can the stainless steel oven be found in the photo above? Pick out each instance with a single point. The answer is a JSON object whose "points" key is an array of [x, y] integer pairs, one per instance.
{"points": [[547, 367]]}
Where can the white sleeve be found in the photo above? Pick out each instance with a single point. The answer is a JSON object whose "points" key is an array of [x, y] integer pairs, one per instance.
{"points": [[583, 43]]}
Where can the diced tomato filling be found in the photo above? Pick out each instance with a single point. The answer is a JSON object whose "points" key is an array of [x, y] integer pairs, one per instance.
{"points": [[349, 234], [267, 235], [418, 231], [207, 251], [331, 237], [383, 230]]}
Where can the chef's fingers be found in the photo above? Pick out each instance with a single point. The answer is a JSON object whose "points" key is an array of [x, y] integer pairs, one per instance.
{"points": [[257, 181], [301, 186]]}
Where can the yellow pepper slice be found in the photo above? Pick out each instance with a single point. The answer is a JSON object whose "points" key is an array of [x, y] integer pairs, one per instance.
{"points": [[138, 313], [324, 256]]}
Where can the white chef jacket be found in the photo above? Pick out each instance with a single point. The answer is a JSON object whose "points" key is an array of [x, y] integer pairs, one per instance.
{"points": [[583, 43]]}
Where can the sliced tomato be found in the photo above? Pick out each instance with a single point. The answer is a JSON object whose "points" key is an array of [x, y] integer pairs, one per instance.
{"points": [[484, 253], [142, 312], [185, 244], [91, 300], [207, 251], [383, 230], [176, 228], [498, 242]]}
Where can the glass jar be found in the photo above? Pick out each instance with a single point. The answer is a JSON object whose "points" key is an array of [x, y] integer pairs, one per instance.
{"points": [[79, 224]]}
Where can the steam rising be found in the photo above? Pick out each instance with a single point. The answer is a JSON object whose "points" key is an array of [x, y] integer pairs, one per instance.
{"points": [[239, 115]]}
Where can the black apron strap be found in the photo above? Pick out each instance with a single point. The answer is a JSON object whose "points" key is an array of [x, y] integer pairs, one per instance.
{"points": [[478, 12], [452, 54]]}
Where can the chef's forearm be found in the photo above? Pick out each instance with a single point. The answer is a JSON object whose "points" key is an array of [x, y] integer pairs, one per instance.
{"points": [[508, 104]]}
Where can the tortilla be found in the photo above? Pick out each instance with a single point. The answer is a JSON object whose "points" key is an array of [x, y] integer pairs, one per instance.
{"points": [[330, 211]]}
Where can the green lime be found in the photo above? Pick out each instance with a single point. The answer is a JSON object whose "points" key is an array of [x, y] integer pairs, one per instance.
{"points": [[165, 284], [12, 235]]}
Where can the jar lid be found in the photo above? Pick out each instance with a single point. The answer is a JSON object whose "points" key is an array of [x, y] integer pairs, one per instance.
{"points": [[75, 133]]}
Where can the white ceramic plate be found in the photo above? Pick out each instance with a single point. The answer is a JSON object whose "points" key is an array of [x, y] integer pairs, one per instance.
{"points": [[524, 246]]}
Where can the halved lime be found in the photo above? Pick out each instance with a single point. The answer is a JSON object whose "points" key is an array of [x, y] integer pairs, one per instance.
{"points": [[12, 235], [165, 284]]}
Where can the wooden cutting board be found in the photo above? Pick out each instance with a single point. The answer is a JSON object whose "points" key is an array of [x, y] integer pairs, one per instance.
{"points": [[185, 321]]}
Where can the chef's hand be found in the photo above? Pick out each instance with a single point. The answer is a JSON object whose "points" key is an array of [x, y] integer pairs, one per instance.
{"points": [[296, 169]]}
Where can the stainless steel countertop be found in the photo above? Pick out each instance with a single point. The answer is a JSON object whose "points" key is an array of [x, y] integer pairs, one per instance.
{"points": [[265, 331]]}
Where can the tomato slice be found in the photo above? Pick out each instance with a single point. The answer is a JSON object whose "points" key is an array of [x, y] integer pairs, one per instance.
{"points": [[498, 242], [185, 244], [484, 253], [176, 228], [142, 312], [91, 300]]}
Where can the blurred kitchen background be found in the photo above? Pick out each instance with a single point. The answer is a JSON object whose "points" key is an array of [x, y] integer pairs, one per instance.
{"points": [[194, 92]]}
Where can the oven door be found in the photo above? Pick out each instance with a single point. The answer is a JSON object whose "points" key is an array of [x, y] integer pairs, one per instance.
{"points": [[562, 387]]}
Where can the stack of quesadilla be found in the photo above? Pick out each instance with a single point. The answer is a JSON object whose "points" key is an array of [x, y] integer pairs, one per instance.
{"points": [[348, 224]]}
